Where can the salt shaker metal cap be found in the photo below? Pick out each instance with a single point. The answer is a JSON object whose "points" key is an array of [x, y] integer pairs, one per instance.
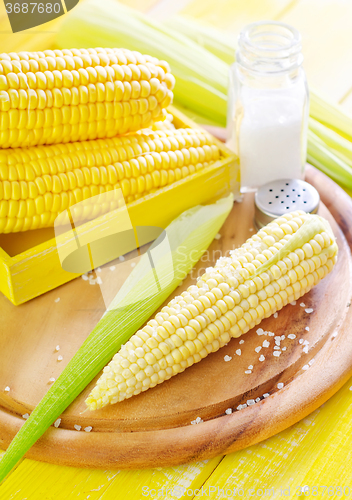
{"points": [[284, 195]]}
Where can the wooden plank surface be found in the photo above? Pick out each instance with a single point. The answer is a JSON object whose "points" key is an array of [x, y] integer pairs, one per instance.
{"points": [[325, 26]]}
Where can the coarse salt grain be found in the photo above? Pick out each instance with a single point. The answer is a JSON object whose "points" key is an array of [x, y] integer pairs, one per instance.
{"points": [[57, 300], [305, 367], [261, 357], [198, 420], [88, 428], [302, 304], [307, 328], [227, 358], [241, 341], [77, 427], [266, 343], [280, 385], [218, 236], [99, 280], [291, 336], [271, 334], [305, 342], [238, 352], [228, 411], [25, 416], [250, 402], [121, 258], [57, 348], [277, 348], [293, 303], [260, 331], [112, 268], [284, 348], [84, 277], [51, 379], [277, 353], [99, 269], [257, 400], [60, 358], [92, 282], [311, 362], [301, 341], [241, 407], [277, 342], [283, 337], [7, 388], [309, 310], [276, 315], [247, 372], [133, 264], [305, 349], [250, 367], [266, 395], [258, 349], [57, 422]]}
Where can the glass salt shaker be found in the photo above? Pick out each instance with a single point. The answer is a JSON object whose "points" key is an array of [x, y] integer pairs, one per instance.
{"points": [[268, 105]]}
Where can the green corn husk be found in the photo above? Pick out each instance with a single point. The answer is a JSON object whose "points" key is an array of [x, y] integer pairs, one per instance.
{"points": [[201, 77], [189, 236], [330, 114]]}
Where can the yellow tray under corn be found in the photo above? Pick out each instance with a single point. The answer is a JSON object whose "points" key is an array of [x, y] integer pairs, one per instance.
{"points": [[30, 264]]}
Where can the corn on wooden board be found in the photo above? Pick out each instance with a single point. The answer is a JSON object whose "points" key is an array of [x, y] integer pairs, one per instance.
{"points": [[161, 417]]}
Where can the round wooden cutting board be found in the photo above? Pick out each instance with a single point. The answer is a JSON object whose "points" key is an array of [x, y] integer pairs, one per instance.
{"points": [[154, 428]]}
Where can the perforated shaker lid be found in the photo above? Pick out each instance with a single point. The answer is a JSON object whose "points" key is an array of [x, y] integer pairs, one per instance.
{"points": [[285, 195]]}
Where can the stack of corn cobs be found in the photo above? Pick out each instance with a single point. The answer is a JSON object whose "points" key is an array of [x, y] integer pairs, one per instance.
{"points": [[73, 124]]}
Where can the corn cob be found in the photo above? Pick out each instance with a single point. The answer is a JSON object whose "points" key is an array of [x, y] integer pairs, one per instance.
{"points": [[38, 183], [279, 264], [60, 96]]}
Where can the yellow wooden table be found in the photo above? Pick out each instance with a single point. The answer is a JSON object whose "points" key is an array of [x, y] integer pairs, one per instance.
{"points": [[314, 454]]}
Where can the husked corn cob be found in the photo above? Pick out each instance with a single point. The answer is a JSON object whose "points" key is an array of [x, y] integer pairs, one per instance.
{"points": [[279, 264], [59, 96], [38, 183]]}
